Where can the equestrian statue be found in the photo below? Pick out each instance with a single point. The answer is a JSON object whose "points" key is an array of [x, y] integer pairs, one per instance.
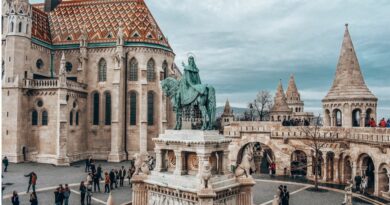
{"points": [[189, 92]]}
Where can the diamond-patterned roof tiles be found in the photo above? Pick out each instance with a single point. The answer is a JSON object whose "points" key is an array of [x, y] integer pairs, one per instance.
{"points": [[101, 19]]}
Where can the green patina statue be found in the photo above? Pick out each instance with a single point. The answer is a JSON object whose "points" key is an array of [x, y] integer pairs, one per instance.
{"points": [[189, 92]]}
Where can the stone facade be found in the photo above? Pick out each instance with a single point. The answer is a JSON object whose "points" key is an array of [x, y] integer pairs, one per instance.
{"points": [[91, 89]]}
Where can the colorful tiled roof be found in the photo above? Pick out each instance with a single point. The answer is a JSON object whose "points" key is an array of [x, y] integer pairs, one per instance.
{"points": [[40, 25], [101, 19]]}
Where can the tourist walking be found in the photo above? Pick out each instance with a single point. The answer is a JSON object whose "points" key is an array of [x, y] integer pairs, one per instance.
{"points": [[116, 178], [106, 183], [122, 175], [66, 194], [96, 182], [358, 181], [57, 196], [112, 179], [61, 195], [5, 163], [273, 168], [130, 174], [88, 164], [275, 201], [33, 199], [32, 181], [372, 122], [89, 194], [99, 172], [89, 179], [82, 190], [15, 198], [92, 167]]}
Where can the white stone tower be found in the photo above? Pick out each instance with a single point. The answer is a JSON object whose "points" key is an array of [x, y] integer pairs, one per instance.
{"points": [[227, 116], [349, 102], [293, 97], [280, 111]]}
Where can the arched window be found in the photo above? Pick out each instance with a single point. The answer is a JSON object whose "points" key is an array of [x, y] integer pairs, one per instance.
{"points": [[45, 117], [12, 27], [34, 117], [150, 70], [20, 27], [165, 69], [150, 108], [71, 118], [102, 74], [27, 29], [96, 109], [107, 120], [77, 118], [133, 70], [133, 108]]}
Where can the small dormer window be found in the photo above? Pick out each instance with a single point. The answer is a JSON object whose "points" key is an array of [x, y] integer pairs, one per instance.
{"points": [[109, 35], [160, 38], [69, 38], [21, 11], [135, 35], [149, 36]]}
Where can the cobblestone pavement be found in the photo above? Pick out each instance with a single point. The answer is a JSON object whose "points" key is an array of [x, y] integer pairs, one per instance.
{"points": [[50, 176]]}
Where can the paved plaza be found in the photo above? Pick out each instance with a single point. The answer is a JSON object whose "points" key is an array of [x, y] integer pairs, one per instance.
{"points": [[50, 176]]}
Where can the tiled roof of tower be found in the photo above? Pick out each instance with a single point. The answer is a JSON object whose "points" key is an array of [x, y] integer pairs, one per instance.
{"points": [[349, 82], [101, 19], [280, 100], [40, 25]]}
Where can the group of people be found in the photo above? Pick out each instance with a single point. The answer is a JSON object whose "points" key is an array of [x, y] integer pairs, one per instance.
{"points": [[282, 197], [15, 198], [295, 122], [382, 123], [361, 184], [61, 195]]}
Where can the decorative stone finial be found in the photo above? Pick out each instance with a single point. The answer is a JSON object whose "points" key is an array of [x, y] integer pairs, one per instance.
{"points": [[346, 25]]}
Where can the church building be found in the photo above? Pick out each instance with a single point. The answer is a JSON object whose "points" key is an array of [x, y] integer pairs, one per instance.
{"points": [[82, 78]]}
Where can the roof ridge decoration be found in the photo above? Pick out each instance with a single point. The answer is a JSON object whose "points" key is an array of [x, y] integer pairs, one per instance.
{"points": [[348, 82], [100, 17], [280, 100]]}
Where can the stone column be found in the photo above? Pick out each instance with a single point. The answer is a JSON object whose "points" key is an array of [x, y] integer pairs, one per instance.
{"points": [[363, 119], [225, 162], [332, 119], [159, 163], [325, 169], [245, 196], [376, 178], [62, 124], [179, 162], [336, 169], [354, 169], [206, 197], [143, 141], [202, 157], [140, 193]]}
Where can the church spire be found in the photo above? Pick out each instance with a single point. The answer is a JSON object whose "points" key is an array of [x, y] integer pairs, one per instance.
{"points": [[292, 90], [280, 100], [349, 81], [227, 109]]}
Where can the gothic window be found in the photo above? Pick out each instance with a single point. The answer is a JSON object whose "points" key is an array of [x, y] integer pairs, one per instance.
{"points": [[133, 70], [45, 117], [133, 108], [34, 117], [150, 70], [150, 108], [77, 118], [96, 109], [20, 27], [71, 118], [108, 109], [68, 66], [12, 27], [102, 70], [165, 69]]}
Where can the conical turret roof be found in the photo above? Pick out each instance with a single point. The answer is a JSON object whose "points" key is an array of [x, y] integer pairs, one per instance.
{"points": [[227, 111], [348, 82], [280, 100], [292, 90]]}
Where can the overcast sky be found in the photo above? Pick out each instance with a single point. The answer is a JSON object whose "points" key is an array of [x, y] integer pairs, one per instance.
{"points": [[243, 46]]}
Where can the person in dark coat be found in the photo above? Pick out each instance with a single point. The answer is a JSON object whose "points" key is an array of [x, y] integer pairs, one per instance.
{"points": [[116, 178], [92, 167], [286, 196], [82, 190], [358, 181], [96, 182], [5, 163], [15, 198], [112, 179], [33, 199], [66, 194], [57, 196], [87, 164], [99, 172], [122, 175]]}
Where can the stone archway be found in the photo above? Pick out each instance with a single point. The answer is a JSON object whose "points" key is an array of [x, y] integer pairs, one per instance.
{"points": [[384, 180], [368, 116], [356, 118], [367, 168], [298, 164], [263, 156], [330, 160], [347, 166], [338, 118]]}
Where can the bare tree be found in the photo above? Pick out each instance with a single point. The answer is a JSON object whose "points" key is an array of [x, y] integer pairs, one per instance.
{"points": [[312, 133], [262, 103]]}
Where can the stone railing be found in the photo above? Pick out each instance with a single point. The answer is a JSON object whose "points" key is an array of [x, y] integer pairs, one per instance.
{"points": [[275, 130], [53, 83]]}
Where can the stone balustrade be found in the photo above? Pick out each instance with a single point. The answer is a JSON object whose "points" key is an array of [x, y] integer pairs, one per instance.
{"points": [[53, 83], [275, 130]]}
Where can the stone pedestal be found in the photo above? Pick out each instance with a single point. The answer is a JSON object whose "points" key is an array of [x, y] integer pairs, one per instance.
{"points": [[201, 175]]}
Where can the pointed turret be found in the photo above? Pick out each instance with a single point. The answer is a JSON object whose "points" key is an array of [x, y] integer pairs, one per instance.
{"points": [[348, 82], [227, 110], [349, 102], [280, 100], [293, 96]]}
